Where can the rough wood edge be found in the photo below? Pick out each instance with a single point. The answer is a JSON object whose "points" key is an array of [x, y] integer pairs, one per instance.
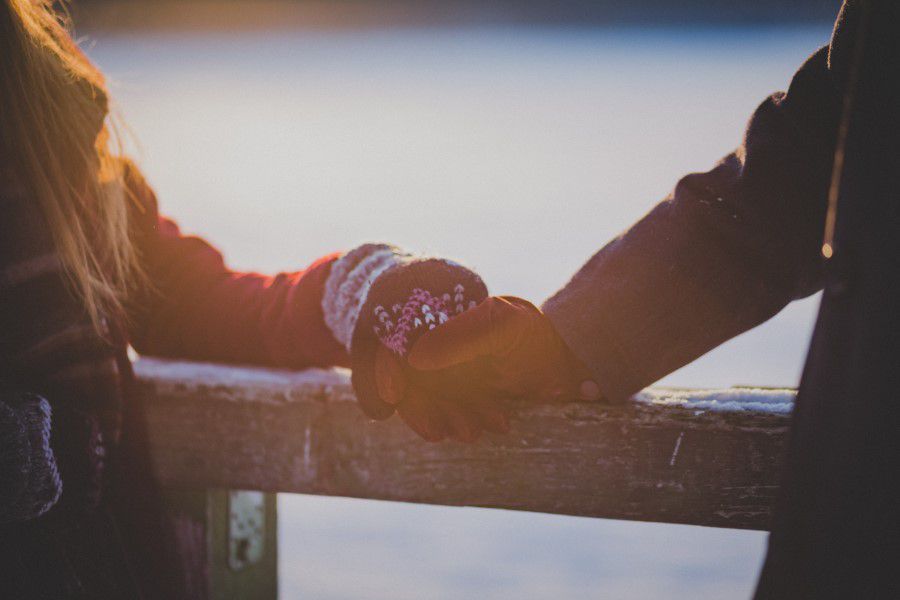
{"points": [[668, 455]]}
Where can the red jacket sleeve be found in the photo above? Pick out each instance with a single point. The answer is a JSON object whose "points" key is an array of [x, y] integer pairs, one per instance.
{"points": [[194, 307]]}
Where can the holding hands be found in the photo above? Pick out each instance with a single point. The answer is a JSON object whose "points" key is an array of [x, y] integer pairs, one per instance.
{"points": [[521, 353], [430, 344]]}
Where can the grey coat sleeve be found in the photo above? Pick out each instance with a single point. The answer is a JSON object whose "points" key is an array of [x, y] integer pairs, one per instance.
{"points": [[29, 478], [725, 251]]}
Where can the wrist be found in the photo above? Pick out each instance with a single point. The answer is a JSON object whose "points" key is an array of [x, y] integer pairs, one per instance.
{"points": [[581, 379], [394, 295], [584, 381], [349, 283], [408, 300], [379, 295]]}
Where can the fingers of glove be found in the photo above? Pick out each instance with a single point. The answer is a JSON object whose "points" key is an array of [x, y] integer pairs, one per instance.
{"points": [[550, 389], [369, 401], [580, 382], [555, 381], [420, 413], [461, 339], [544, 370], [461, 424], [486, 407], [490, 328], [589, 390], [555, 391], [573, 389], [530, 375], [491, 414], [365, 383], [389, 377]]}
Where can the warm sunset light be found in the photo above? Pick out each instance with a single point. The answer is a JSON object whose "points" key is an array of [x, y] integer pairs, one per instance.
{"points": [[408, 299]]}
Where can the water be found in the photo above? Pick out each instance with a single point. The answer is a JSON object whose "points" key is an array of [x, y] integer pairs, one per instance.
{"points": [[519, 151]]}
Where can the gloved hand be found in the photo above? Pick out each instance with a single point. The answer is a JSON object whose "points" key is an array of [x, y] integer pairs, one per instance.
{"points": [[388, 299], [29, 478], [438, 405], [515, 349]]}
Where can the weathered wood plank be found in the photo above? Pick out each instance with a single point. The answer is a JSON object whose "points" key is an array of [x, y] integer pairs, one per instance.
{"points": [[678, 457]]}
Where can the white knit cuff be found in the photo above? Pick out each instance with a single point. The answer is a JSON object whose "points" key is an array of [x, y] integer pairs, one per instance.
{"points": [[348, 284]]}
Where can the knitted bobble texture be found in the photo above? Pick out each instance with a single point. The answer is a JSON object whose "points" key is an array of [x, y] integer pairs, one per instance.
{"points": [[378, 295], [418, 300], [27, 462], [348, 285]]}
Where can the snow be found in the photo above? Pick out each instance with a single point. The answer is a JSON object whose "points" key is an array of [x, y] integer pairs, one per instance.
{"points": [[235, 376], [760, 400]]}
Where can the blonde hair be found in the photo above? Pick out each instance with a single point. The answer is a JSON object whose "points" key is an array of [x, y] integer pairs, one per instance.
{"points": [[54, 105]]}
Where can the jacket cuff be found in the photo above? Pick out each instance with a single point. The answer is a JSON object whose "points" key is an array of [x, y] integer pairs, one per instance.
{"points": [[310, 341], [347, 287], [597, 350]]}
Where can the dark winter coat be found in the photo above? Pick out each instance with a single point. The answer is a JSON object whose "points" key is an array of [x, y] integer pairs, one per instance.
{"points": [[731, 247], [105, 537]]}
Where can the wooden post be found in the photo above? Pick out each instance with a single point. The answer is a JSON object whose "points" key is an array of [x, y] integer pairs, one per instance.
{"points": [[240, 558]]}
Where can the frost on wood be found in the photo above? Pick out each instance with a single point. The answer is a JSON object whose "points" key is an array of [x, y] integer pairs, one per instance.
{"points": [[743, 399], [703, 458], [220, 375], [751, 400]]}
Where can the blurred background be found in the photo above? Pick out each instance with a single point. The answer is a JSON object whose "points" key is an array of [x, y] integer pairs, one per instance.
{"points": [[517, 136]]}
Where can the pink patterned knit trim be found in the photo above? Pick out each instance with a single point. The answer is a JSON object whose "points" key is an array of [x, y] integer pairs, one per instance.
{"points": [[422, 310]]}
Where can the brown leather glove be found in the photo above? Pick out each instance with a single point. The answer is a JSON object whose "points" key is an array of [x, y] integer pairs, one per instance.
{"points": [[446, 403], [378, 301], [510, 349]]}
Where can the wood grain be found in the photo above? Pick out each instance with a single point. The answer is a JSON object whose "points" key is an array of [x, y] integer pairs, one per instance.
{"points": [[280, 431]]}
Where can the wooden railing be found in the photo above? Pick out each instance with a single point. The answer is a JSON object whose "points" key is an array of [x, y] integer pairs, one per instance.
{"points": [[695, 457]]}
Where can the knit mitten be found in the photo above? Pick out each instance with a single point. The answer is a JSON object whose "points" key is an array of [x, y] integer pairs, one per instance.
{"points": [[29, 479], [378, 295]]}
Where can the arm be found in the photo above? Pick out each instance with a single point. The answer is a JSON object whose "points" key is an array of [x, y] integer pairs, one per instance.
{"points": [[362, 309], [725, 251], [197, 308]]}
